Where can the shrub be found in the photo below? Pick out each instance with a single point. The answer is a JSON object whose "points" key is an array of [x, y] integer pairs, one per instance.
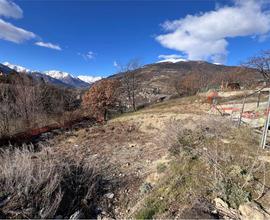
{"points": [[203, 166], [233, 194], [41, 186], [145, 188]]}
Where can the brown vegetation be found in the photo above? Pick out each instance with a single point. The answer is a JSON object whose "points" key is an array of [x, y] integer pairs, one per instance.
{"points": [[101, 97], [28, 104], [40, 185], [190, 84]]}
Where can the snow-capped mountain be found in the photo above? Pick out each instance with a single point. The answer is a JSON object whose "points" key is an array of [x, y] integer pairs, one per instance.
{"points": [[90, 79], [58, 74], [172, 60], [67, 78], [5, 69], [17, 68], [54, 76]]}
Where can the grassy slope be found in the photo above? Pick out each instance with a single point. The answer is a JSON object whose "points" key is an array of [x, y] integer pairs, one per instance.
{"points": [[208, 158]]}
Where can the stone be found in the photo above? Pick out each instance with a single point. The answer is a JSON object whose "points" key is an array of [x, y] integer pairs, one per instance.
{"points": [[76, 215], [109, 195], [220, 203], [252, 211], [225, 141], [224, 210]]}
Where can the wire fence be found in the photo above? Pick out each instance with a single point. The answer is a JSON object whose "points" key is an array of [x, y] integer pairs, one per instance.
{"points": [[244, 109]]}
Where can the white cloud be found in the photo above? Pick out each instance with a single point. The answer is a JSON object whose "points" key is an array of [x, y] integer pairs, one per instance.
{"points": [[88, 56], [8, 31], [115, 64], [10, 9], [48, 45], [90, 79], [204, 36], [14, 34]]}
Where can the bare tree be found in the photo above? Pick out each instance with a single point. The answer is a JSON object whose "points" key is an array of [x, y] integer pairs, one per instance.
{"points": [[130, 82], [261, 63], [6, 109], [27, 99]]}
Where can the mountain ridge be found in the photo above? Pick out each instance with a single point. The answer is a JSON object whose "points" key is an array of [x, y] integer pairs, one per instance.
{"points": [[159, 81], [52, 76]]}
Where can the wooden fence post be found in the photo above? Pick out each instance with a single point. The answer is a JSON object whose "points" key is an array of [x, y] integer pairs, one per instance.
{"points": [[242, 110], [258, 100], [266, 125]]}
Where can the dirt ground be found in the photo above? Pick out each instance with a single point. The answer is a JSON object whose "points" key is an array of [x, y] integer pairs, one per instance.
{"points": [[127, 149]]}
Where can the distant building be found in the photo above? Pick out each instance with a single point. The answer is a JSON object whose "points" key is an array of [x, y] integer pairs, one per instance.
{"points": [[230, 86], [233, 86]]}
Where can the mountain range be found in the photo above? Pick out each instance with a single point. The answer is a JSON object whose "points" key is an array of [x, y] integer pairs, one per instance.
{"points": [[55, 77], [155, 80]]}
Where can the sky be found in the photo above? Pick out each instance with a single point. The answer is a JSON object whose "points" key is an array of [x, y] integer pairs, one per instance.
{"points": [[87, 37]]}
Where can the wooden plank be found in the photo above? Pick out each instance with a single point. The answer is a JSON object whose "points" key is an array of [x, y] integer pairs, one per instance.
{"points": [[242, 110]]}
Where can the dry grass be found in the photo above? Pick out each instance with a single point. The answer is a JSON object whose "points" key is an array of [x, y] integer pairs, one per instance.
{"points": [[40, 185], [212, 160]]}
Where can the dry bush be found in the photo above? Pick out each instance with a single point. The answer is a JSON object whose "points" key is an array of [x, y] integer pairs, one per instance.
{"points": [[40, 185], [101, 97]]}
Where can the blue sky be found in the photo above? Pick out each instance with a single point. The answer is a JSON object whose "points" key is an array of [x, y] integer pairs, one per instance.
{"points": [[90, 37]]}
